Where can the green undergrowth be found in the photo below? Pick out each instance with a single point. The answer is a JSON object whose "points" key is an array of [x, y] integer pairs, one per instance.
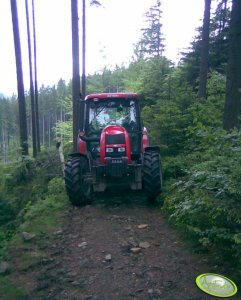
{"points": [[42, 220], [45, 216], [40, 215], [9, 291], [23, 183], [203, 193]]}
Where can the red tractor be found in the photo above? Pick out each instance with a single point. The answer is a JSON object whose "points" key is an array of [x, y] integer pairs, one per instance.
{"points": [[113, 150]]}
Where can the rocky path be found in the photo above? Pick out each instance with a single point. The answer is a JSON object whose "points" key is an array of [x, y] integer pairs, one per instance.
{"points": [[115, 250]]}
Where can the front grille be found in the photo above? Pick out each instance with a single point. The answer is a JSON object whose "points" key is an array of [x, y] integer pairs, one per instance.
{"points": [[114, 139], [116, 167]]}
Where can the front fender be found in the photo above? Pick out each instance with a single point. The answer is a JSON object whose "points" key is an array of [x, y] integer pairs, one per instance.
{"points": [[77, 154], [153, 148]]}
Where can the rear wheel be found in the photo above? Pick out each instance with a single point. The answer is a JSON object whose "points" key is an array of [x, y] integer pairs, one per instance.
{"points": [[152, 175], [77, 181]]}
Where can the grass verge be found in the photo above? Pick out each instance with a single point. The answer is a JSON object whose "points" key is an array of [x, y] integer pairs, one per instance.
{"points": [[41, 220]]}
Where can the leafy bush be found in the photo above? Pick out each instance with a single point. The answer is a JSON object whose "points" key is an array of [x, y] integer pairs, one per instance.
{"points": [[43, 215], [173, 167], [7, 211], [207, 201]]}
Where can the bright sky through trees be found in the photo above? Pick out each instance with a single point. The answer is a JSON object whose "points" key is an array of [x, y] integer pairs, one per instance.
{"points": [[111, 31]]}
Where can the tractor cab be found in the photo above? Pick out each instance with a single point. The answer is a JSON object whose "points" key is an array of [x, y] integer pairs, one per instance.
{"points": [[119, 110], [111, 111], [113, 150]]}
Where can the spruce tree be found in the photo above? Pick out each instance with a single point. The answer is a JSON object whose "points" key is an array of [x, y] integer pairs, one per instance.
{"points": [[152, 40]]}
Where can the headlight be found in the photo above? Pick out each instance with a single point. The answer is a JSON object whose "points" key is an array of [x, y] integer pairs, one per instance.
{"points": [[108, 150], [122, 149]]}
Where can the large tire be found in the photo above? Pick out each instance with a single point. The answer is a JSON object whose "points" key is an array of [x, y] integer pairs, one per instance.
{"points": [[78, 187], [152, 175]]}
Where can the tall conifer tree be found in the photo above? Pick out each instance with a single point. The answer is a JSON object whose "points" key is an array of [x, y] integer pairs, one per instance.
{"points": [[19, 70], [203, 72], [233, 83], [35, 80], [32, 95], [76, 72], [152, 40]]}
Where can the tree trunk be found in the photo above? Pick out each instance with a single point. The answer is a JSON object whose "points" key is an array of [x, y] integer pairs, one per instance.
{"points": [[76, 72], [33, 112], [49, 137], [43, 132], [21, 96], [83, 50], [233, 83], [36, 81], [202, 92]]}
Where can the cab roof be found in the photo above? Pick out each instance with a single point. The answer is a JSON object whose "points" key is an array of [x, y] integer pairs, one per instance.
{"points": [[111, 95]]}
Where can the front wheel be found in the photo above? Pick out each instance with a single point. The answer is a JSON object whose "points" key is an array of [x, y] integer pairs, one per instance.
{"points": [[152, 175], [77, 181]]}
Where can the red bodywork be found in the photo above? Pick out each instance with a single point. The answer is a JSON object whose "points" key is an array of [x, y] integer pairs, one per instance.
{"points": [[111, 95], [114, 130], [82, 147]]}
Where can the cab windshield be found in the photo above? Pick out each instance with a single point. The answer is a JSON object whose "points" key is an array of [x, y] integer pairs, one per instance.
{"points": [[120, 112]]}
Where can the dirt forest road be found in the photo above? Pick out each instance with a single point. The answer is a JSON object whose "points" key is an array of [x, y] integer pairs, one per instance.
{"points": [[119, 248]]}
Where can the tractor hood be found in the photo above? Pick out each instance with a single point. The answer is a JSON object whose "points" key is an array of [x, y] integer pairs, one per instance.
{"points": [[114, 138]]}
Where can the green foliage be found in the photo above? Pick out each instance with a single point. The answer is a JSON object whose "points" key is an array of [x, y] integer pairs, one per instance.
{"points": [[177, 114], [7, 211], [201, 162], [151, 43], [207, 200], [152, 79], [218, 46], [169, 117], [5, 237], [42, 218], [64, 130], [22, 185], [8, 127], [44, 215], [23, 171], [107, 81], [9, 291], [173, 168]]}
